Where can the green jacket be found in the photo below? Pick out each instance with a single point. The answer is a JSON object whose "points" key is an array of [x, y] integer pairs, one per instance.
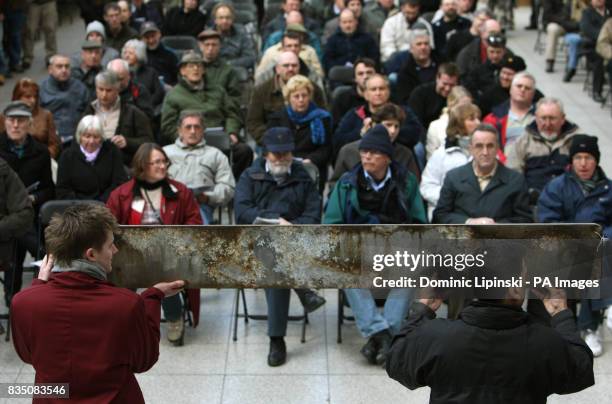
{"points": [[343, 205], [220, 73], [218, 108]]}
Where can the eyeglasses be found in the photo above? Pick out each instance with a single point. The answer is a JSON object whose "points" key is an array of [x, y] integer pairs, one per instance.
{"points": [[160, 163]]}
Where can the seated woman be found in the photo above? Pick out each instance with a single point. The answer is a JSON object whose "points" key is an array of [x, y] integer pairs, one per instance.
{"points": [[151, 198], [135, 53], [390, 116], [463, 119], [311, 125], [43, 126], [436, 133], [92, 167]]}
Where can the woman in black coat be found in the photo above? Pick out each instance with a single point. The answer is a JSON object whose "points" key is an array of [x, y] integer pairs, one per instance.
{"points": [[92, 167], [311, 126]]}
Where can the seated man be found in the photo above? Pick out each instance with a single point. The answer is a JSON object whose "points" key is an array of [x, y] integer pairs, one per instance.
{"points": [[511, 117], [474, 54], [428, 100], [378, 11], [343, 102], [194, 93], [124, 124], [237, 47], [202, 168], [159, 57], [91, 65], [499, 91], [591, 22], [558, 21], [604, 46], [391, 117], [279, 22], [184, 19], [278, 187], [130, 91], [447, 26], [395, 32], [377, 190], [16, 217], [63, 95], [99, 331], [95, 32], [461, 39], [483, 75], [218, 71], [267, 97], [118, 32], [483, 191], [364, 24], [420, 66], [442, 354], [348, 43], [542, 151], [294, 19], [310, 65], [376, 94]]}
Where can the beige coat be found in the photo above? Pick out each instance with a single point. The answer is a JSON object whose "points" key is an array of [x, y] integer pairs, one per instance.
{"points": [[604, 41]]}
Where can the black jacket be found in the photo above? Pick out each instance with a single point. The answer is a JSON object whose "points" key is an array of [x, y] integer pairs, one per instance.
{"points": [[149, 78], [444, 30], [481, 77], [137, 95], [457, 42], [16, 213], [505, 199], [342, 49], [559, 12], [259, 195], [133, 125], [34, 167], [78, 179], [427, 104], [165, 62], [179, 23], [491, 354], [408, 78], [344, 102]]}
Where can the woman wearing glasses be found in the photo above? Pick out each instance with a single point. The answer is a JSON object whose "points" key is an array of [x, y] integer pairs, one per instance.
{"points": [[151, 198]]}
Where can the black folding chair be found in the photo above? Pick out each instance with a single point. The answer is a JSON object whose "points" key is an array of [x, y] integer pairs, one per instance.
{"points": [[180, 44]]}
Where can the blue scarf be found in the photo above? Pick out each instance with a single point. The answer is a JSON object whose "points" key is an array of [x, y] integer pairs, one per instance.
{"points": [[313, 115]]}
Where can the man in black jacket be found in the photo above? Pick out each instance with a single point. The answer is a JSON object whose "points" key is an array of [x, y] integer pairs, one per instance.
{"points": [[159, 57], [420, 66], [494, 352], [483, 191]]}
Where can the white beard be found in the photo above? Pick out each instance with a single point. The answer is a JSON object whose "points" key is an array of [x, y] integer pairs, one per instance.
{"points": [[279, 169]]}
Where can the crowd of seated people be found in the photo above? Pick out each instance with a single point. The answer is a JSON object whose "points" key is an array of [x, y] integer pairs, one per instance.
{"points": [[165, 136]]}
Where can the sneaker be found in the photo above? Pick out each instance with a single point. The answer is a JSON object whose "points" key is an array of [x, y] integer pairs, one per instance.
{"points": [[278, 352], [176, 332], [594, 343]]}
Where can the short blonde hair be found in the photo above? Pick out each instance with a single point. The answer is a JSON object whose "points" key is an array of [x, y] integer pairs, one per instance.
{"points": [[295, 83], [89, 123], [456, 95]]}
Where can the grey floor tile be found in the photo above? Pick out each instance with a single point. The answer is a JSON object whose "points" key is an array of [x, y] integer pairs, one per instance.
{"points": [[210, 330], [181, 389], [256, 331], [191, 359], [251, 359], [275, 389], [9, 360], [355, 389], [345, 359]]}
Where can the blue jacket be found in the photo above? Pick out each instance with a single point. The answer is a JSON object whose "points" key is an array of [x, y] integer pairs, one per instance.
{"points": [[258, 195], [343, 205], [66, 101], [341, 49], [350, 125], [562, 201]]}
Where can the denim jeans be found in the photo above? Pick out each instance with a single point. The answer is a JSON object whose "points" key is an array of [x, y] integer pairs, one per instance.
{"points": [[14, 22], [207, 213], [573, 43], [369, 320]]}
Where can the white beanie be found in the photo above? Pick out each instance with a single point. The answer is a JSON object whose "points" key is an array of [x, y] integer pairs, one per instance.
{"points": [[96, 26]]}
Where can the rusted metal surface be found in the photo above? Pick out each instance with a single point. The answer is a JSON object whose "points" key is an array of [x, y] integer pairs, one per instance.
{"points": [[301, 256]]}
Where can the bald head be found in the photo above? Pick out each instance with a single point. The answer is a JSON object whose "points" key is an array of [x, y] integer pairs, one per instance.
{"points": [[347, 21], [122, 70], [294, 17], [489, 27], [287, 65]]}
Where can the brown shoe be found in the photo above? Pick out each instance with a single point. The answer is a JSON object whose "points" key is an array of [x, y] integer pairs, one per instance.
{"points": [[2, 79]]}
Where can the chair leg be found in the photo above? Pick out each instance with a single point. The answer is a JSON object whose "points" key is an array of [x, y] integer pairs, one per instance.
{"points": [[236, 306], [303, 340], [340, 316], [244, 306]]}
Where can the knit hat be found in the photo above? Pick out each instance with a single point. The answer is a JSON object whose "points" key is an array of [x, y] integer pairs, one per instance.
{"points": [[584, 144], [377, 139], [278, 140], [513, 62], [96, 26]]}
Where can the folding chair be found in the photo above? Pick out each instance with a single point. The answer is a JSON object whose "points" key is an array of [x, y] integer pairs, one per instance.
{"points": [[180, 44]]}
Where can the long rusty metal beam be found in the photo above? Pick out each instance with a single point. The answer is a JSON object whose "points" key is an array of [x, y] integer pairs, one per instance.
{"points": [[322, 256]]}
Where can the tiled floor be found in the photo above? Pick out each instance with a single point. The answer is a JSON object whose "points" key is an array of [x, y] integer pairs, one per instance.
{"points": [[211, 368]]}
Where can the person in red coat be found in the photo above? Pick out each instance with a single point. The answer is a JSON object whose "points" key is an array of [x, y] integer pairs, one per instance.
{"points": [[151, 198], [75, 327]]}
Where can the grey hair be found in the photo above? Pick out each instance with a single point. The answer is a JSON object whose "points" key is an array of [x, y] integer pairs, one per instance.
{"points": [[108, 78], [524, 74], [89, 123], [190, 113], [418, 33], [551, 101], [484, 10], [139, 47], [54, 58]]}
